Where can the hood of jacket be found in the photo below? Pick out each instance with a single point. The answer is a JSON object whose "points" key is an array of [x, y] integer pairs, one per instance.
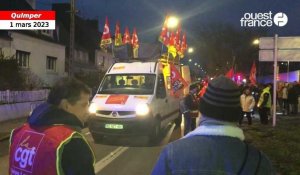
{"points": [[47, 115]]}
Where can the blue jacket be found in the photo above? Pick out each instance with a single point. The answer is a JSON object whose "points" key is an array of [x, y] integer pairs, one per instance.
{"points": [[212, 150]]}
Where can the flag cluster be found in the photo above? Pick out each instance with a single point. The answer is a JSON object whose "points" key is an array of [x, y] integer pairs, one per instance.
{"points": [[107, 41], [252, 76], [172, 41]]}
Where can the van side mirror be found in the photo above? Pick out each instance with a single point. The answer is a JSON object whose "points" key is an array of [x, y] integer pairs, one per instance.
{"points": [[161, 91]]}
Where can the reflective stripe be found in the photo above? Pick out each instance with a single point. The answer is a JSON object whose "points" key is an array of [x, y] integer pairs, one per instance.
{"points": [[10, 138], [59, 151], [261, 98], [11, 135], [94, 158]]}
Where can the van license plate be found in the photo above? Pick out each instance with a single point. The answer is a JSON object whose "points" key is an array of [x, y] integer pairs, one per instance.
{"points": [[113, 126]]}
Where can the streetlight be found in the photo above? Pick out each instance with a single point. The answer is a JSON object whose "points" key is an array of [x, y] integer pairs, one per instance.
{"points": [[172, 22], [190, 50], [255, 42], [190, 60], [195, 64]]}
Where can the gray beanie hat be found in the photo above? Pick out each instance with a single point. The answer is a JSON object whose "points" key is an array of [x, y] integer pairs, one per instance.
{"points": [[221, 101]]}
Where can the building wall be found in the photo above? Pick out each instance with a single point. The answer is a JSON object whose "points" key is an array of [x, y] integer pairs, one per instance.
{"points": [[104, 60], [81, 56], [39, 50], [5, 46]]}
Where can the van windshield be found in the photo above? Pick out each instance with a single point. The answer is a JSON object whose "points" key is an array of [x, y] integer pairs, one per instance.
{"points": [[132, 84]]}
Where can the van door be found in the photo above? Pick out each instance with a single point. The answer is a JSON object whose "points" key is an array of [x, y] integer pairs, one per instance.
{"points": [[166, 104]]}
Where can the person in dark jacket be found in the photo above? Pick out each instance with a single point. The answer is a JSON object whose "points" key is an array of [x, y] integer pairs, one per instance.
{"points": [[293, 98], [217, 145], [52, 134], [188, 107]]}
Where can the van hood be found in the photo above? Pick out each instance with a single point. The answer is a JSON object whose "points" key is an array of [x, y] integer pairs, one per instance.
{"points": [[120, 102]]}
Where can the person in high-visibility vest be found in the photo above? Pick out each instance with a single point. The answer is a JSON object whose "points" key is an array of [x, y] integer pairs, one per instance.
{"points": [[264, 105], [50, 142]]}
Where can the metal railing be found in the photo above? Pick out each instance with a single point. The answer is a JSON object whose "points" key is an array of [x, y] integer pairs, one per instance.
{"points": [[8, 96]]}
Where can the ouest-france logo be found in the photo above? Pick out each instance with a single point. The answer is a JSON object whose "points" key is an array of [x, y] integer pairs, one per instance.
{"points": [[264, 19]]}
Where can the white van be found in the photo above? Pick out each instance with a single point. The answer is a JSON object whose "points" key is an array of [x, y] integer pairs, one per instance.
{"points": [[133, 99]]}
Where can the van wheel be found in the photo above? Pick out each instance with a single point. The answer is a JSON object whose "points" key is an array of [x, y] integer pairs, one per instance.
{"points": [[153, 137], [178, 120]]}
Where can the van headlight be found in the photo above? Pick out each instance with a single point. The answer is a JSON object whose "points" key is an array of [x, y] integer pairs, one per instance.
{"points": [[142, 109], [93, 108]]}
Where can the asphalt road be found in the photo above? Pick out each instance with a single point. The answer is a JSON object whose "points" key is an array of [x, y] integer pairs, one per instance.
{"points": [[118, 155]]}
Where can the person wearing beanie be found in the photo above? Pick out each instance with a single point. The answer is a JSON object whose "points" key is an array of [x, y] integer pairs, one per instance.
{"points": [[217, 145]]}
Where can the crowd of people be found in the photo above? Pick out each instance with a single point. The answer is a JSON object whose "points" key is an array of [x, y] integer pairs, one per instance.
{"points": [[253, 99], [287, 97], [215, 146]]}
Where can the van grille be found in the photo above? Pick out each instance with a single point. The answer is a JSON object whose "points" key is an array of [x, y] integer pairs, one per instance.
{"points": [[126, 112], [119, 112], [104, 112]]}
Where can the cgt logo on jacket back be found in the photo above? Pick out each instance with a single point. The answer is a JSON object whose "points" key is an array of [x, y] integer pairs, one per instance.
{"points": [[26, 151]]}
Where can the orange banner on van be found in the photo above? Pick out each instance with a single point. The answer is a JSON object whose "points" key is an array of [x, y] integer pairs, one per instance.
{"points": [[117, 99]]}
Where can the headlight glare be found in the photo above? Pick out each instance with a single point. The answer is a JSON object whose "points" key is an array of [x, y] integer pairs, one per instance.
{"points": [[142, 109], [93, 108]]}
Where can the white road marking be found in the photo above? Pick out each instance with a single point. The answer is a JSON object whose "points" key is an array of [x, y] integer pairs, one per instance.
{"points": [[109, 158], [167, 138]]}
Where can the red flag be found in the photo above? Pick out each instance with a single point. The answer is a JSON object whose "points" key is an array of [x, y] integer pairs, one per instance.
{"points": [[135, 43], [230, 73], [177, 82], [203, 90], [183, 46], [166, 39], [134, 39], [177, 38], [106, 39], [171, 40], [252, 76], [118, 36], [171, 45], [126, 38], [164, 32], [183, 43]]}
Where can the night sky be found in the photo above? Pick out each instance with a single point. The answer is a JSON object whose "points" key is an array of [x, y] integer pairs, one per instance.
{"points": [[148, 15]]}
